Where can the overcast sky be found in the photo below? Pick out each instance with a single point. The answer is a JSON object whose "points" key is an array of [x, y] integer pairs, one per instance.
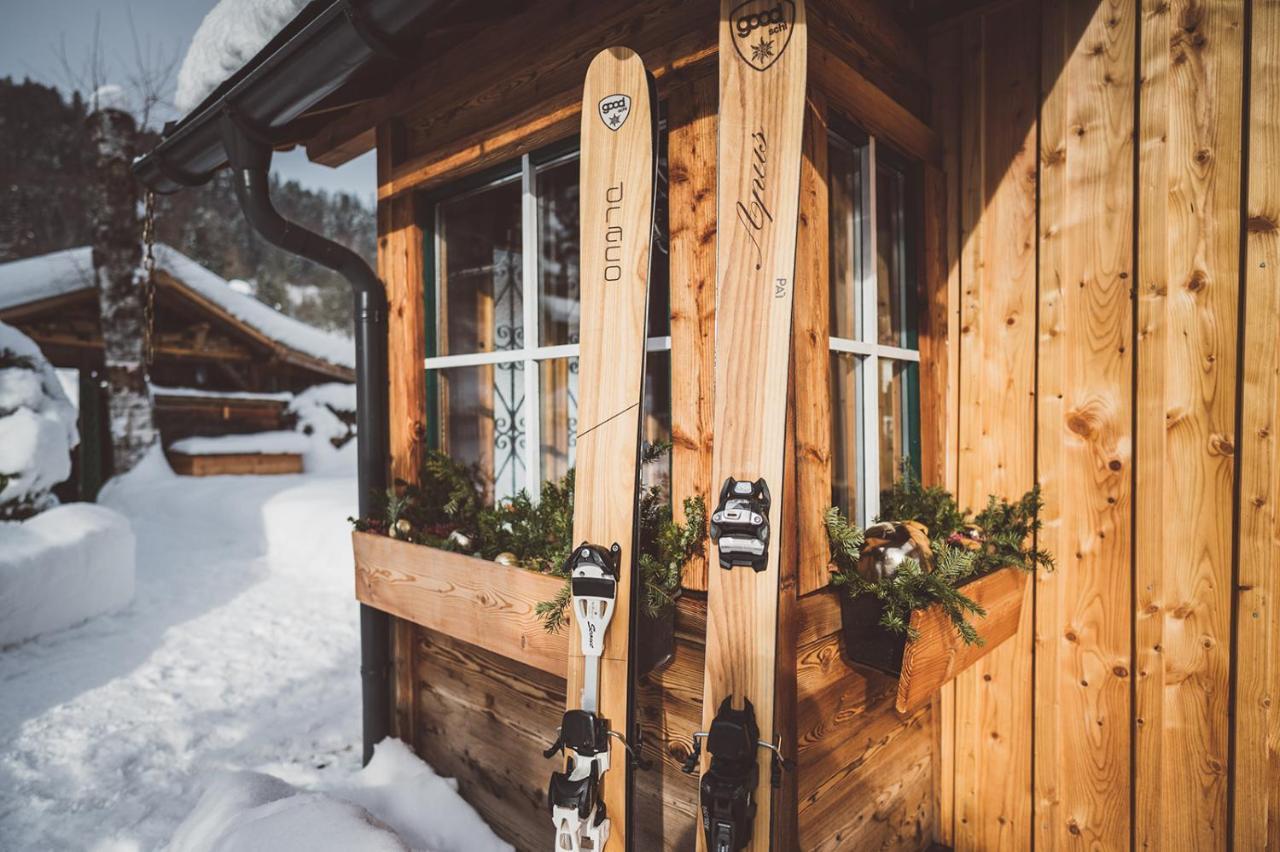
{"points": [[34, 30]]}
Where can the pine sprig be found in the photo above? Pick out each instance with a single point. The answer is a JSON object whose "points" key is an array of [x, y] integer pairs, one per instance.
{"points": [[963, 548], [446, 509]]}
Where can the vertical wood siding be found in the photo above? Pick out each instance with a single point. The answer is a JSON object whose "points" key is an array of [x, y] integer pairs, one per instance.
{"points": [[997, 406], [1085, 426], [1256, 758], [1154, 127], [1201, 104], [691, 157]]}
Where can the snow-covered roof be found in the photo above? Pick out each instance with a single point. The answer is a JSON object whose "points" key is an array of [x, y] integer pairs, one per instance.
{"points": [[62, 272], [229, 36]]}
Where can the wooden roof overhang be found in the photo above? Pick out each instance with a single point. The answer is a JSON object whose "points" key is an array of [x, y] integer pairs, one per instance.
{"points": [[457, 116]]}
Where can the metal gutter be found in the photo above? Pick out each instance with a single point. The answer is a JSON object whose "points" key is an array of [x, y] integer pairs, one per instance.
{"points": [[324, 47], [238, 125]]}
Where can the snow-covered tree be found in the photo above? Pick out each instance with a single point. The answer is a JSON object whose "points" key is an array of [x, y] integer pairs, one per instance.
{"points": [[117, 258], [37, 428]]}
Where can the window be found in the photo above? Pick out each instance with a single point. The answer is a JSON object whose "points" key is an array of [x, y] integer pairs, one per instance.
{"points": [[875, 358], [502, 365]]}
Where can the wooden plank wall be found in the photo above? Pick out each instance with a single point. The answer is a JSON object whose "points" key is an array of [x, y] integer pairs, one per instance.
{"points": [[1256, 764], [1118, 327]]}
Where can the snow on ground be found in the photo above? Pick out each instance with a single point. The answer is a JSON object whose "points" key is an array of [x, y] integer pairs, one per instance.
{"points": [[239, 652]]}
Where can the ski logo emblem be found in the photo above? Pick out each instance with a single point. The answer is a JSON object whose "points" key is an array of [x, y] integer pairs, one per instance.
{"points": [[614, 110], [762, 30]]}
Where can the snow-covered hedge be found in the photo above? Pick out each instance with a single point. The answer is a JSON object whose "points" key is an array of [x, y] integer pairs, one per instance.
{"points": [[327, 412], [37, 427], [61, 567]]}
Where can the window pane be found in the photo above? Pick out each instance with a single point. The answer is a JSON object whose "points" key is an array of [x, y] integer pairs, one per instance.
{"points": [[846, 238], [899, 419], [847, 432], [480, 304], [482, 422], [660, 264], [895, 317], [656, 426], [558, 382], [557, 189]]}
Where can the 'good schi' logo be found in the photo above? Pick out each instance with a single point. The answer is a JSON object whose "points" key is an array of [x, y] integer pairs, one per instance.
{"points": [[755, 213], [776, 24]]}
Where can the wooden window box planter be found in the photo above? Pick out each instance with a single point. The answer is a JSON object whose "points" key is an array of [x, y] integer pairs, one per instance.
{"points": [[484, 603], [235, 464], [939, 654]]}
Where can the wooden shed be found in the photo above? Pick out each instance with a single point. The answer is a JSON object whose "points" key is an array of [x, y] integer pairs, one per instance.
{"points": [[1038, 245], [225, 363]]}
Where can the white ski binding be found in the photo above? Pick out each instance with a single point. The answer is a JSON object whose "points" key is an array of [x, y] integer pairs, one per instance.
{"points": [[574, 796]]}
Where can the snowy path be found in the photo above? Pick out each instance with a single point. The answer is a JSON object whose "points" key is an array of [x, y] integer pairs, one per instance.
{"points": [[240, 651]]}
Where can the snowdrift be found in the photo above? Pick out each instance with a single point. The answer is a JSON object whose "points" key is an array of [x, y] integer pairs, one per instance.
{"points": [[397, 802], [61, 567]]}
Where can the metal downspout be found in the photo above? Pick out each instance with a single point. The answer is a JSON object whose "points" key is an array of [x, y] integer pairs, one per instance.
{"points": [[249, 155]]}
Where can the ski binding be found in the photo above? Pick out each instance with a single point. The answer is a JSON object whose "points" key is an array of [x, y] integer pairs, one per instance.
{"points": [[740, 524], [574, 796]]}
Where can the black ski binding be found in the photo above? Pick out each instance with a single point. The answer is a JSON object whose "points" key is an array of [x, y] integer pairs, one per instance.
{"points": [[574, 795], [583, 732], [728, 787], [740, 524], [593, 569]]}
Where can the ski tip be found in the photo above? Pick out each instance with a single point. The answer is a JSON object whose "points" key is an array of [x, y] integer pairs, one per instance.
{"points": [[615, 54]]}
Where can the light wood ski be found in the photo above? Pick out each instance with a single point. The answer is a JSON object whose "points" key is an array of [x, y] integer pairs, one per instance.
{"points": [[763, 59], [589, 798]]}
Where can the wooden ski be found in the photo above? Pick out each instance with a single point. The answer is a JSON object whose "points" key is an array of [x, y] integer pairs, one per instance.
{"points": [[763, 63], [589, 799]]}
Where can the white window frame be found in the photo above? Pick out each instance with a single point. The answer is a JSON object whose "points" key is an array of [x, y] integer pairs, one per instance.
{"points": [[867, 349], [529, 355]]}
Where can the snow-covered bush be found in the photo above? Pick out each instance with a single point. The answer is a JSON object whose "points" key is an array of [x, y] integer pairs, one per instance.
{"points": [[37, 427], [326, 411]]}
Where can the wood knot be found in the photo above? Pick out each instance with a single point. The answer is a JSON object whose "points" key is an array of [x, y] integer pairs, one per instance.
{"points": [[1221, 445], [1054, 156], [1083, 423], [1189, 20], [1260, 223], [1120, 671], [1198, 281], [1115, 464], [1202, 157]]}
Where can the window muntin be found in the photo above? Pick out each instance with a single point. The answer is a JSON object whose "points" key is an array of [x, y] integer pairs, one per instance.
{"points": [[503, 383], [875, 428]]}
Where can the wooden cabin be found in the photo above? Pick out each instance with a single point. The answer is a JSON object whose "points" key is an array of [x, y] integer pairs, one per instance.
{"points": [[1038, 245], [224, 362]]}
